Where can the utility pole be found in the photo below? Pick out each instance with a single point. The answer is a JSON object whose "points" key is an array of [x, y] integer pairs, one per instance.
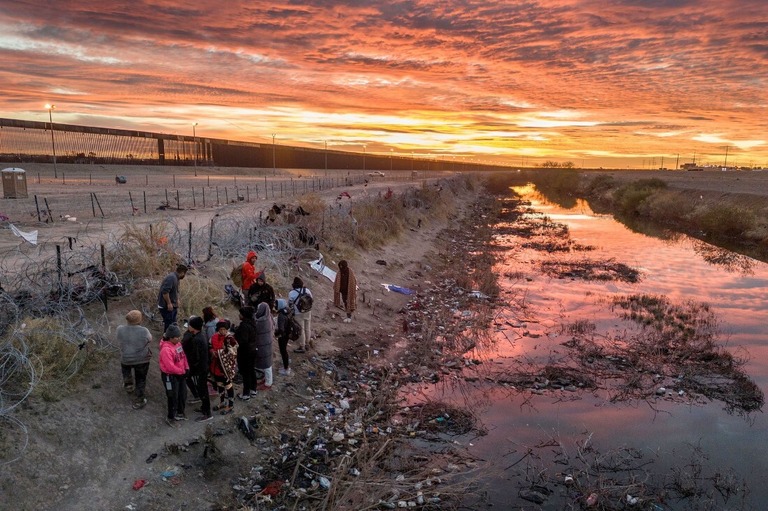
{"points": [[725, 163], [274, 167], [677, 163]]}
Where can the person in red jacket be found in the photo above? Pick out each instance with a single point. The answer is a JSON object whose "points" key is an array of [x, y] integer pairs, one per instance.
{"points": [[222, 370], [173, 368], [249, 271]]}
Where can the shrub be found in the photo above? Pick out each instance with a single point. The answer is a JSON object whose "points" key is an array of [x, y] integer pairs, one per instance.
{"points": [[629, 198], [724, 221]]}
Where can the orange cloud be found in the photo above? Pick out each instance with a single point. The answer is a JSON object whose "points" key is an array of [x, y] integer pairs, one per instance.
{"points": [[630, 80]]}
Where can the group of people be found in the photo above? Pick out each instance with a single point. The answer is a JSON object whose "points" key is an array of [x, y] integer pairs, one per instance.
{"points": [[213, 350]]}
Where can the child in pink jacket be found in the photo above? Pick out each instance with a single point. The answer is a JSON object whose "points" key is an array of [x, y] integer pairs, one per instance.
{"points": [[173, 368]]}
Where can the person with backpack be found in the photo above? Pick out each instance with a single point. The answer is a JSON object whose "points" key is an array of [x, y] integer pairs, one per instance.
{"points": [[300, 299], [135, 356], [287, 329]]}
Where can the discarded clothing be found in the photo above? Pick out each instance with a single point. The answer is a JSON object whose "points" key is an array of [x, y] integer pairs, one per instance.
{"points": [[398, 289], [28, 236]]}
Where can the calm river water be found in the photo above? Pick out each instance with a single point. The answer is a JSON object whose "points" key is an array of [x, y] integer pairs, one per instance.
{"points": [[667, 432]]}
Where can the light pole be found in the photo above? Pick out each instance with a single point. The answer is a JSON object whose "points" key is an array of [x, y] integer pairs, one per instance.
{"points": [[413, 162], [194, 141], [390, 159], [274, 167], [363, 157], [53, 143], [326, 158]]}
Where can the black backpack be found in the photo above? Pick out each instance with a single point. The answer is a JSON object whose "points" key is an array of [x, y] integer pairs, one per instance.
{"points": [[303, 301], [294, 328]]}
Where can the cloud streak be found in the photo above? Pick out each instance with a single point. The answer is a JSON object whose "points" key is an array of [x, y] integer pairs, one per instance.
{"points": [[632, 80]]}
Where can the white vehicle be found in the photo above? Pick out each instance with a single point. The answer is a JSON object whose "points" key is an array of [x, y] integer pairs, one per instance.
{"points": [[377, 173]]}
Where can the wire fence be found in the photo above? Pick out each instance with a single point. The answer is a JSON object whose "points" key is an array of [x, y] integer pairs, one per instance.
{"points": [[54, 298]]}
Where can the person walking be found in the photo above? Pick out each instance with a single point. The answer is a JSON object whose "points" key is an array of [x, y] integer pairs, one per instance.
{"points": [[135, 356], [245, 333], [209, 323], [168, 297], [283, 332], [300, 299], [196, 349], [222, 370], [265, 335], [249, 271], [173, 368], [345, 290], [261, 292]]}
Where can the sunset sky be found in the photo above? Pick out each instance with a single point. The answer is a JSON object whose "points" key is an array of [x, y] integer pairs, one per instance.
{"points": [[614, 83]]}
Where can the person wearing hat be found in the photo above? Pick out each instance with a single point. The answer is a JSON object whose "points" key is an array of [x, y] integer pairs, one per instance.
{"points": [[196, 348], [222, 373], [304, 318], [261, 292], [173, 368], [135, 355]]}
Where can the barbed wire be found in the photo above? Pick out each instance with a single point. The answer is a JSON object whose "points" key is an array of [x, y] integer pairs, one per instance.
{"points": [[54, 297]]}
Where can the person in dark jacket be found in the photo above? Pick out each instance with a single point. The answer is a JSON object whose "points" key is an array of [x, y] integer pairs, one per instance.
{"points": [[283, 333], [168, 297], [196, 350], [261, 292], [265, 335], [245, 334]]}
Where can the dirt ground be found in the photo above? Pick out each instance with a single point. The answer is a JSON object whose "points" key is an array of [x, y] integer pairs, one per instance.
{"points": [[87, 449]]}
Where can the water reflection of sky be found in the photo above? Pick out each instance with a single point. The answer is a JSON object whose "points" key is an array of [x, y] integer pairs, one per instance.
{"points": [[676, 269]]}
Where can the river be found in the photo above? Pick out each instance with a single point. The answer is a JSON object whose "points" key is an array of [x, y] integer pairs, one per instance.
{"points": [[537, 438]]}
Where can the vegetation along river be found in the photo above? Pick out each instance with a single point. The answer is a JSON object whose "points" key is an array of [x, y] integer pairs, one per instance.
{"points": [[620, 371]]}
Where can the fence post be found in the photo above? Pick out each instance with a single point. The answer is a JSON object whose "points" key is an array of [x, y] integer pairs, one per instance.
{"points": [[48, 208], [145, 201], [98, 204], [210, 239], [209, 180], [178, 205], [58, 264], [133, 209], [247, 194], [63, 179], [174, 180], [93, 206], [266, 190], [203, 196], [226, 194], [104, 297], [37, 207], [194, 200], [189, 253]]}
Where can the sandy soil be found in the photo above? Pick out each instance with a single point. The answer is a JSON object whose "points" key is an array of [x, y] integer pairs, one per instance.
{"points": [[88, 449]]}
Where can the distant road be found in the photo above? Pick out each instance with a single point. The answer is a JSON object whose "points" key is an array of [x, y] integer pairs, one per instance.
{"points": [[736, 182]]}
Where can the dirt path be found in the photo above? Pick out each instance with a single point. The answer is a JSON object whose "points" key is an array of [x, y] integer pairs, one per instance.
{"points": [[89, 448]]}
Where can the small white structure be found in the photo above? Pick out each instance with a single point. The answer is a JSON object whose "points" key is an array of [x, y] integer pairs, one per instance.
{"points": [[14, 183]]}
